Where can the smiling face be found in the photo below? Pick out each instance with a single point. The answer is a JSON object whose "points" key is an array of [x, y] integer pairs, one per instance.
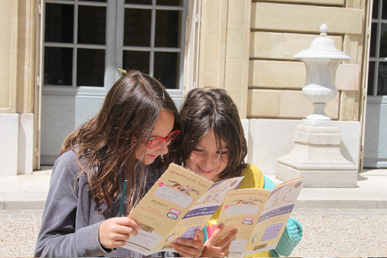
{"points": [[206, 159], [163, 126]]}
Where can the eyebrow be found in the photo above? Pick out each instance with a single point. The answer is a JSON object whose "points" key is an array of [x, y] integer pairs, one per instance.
{"points": [[158, 136], [153, 137], [198, 145]]}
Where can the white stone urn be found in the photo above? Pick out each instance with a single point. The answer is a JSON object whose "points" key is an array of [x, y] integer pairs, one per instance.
{"points": [[321, 62], [316, 152]]}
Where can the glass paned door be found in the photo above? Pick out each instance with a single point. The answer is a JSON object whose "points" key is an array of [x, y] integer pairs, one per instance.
{"points": [[73, 30], [85, 41], [153, 34], [76, 58], [375, 153]]}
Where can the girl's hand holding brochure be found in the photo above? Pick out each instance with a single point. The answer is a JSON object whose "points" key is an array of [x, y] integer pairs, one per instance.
{"points": [[114, 231], [218, 248], [190, 247]]}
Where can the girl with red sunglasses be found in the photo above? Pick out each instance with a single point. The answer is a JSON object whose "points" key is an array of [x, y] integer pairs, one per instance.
{"points": [[124, 141]]}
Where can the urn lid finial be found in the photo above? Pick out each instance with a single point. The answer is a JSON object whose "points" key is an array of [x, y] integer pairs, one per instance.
{"points": [[322, 47], [323, 29]]}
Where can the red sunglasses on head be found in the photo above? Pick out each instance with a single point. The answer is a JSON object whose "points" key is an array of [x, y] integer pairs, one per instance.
{"points": [[156, 142]]}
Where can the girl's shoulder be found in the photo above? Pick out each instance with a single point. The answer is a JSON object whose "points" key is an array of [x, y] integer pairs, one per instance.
{"points": [[253, 177], [251, 170], [67, 165], [68, 158]]}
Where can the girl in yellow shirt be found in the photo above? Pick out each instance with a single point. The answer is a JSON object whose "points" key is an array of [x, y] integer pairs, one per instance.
{"points": [[215, 147]]}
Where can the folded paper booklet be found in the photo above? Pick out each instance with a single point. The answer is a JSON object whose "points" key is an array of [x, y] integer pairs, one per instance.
{"points": [[260, 216], [178, 203]]}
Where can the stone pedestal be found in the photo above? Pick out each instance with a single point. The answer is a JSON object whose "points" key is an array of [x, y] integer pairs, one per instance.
{"points": [[9, 126], [25, 144], [16, 144], [316, 154]]}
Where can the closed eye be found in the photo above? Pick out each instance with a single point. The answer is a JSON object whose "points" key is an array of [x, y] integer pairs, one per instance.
{"points": [[223, 151]]}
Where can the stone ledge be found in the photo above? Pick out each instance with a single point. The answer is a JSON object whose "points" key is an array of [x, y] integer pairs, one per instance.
{"points": [[342, 204], [16, 201]]}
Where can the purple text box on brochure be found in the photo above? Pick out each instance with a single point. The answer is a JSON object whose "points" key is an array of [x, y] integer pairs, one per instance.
{"points": [[272, 232], [277, 212], [201, 212]]}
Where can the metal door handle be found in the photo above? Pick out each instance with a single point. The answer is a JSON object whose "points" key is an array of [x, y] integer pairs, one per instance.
{"points": [[122, 70]]}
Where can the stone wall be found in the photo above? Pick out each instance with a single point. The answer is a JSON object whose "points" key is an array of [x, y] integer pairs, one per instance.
{"points": [[281, 29], [17, 59], [270, 94]]}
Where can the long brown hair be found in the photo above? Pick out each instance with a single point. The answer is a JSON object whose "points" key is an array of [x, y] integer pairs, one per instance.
{"points": [[104, 146], [212, 109]]}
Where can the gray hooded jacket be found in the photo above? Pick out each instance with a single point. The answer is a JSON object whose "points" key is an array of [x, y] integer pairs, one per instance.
{"points": [[70, 221]]}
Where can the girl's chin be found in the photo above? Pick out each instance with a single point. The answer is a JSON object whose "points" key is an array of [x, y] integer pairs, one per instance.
{"points": [[148, 159]]}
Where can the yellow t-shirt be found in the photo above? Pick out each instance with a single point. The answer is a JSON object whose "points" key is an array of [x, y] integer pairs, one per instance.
{"points": [[253, 178]]}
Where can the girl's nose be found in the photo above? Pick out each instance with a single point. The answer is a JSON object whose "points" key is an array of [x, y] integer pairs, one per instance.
{"points": [[164, 147], [210, 160]]}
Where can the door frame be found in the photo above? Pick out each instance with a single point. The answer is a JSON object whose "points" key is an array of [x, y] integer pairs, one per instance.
{"points": [[364, 84], [374, 99], [38, 83]]}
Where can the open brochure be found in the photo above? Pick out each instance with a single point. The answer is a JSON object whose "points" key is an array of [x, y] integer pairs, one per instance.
{"points": [[178, 203], [260, 216]]}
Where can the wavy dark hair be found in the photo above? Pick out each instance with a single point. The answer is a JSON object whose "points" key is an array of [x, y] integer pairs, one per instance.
{"points": [[104, 146], [212, 109]]}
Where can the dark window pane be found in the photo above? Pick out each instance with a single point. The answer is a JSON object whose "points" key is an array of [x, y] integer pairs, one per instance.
{"points": [[167, 28], [90, 67], [58, 65], [382, 79], [59, 23], [384, 10], [371, 76], [137, 27], [374, 29], [147, 2], [383, 41], [94, 1], [170, 2], [136, 60], [166, 69], [375, 9], [91, 25]]}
